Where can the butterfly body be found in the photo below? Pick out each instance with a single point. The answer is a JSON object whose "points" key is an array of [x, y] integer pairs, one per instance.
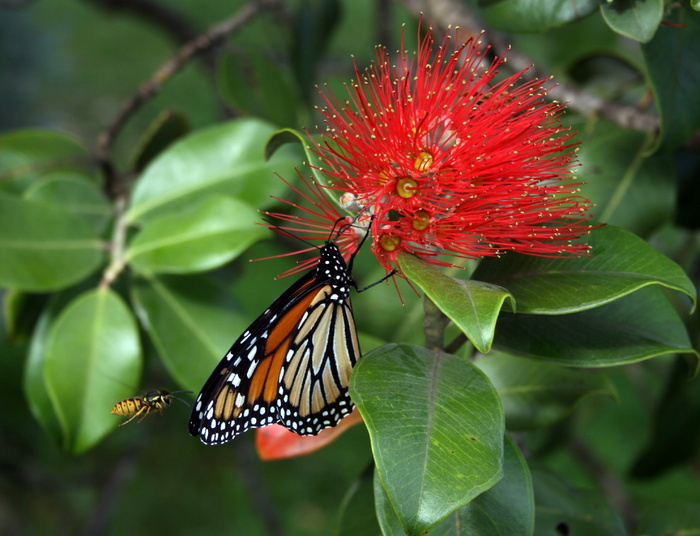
{"points": [[291, 366]]}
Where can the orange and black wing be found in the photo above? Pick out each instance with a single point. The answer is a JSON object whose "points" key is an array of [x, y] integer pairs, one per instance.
{"points": [[291, 366]]}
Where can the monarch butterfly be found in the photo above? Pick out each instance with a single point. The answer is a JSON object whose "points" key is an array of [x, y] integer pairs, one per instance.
{"points": [[292, 365], [143, 405]]}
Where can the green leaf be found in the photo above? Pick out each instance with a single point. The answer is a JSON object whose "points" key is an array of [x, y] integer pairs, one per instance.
{"points": [[165, 129], [561, 508], [472, 305], [258, 86], [35, 389], [636, 327], [226, 159], [629, 188], [520, 16], [507, 509], [191, 322], [436, 428], [357, 512], [205, 237], [27, 154], [535, 394], [76, 194], [671, 59], [620, 263], [636, 19], [93, 349], [290, 136], [44, 247]]}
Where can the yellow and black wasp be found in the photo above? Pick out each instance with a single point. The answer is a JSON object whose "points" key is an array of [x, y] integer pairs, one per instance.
{"points": [[144, 405]]}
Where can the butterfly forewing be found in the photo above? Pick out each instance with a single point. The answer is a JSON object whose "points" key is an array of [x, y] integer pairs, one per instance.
{"points": [[292, 365]]}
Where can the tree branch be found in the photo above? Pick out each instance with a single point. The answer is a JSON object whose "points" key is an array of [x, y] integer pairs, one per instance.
{"points": [[611, 486], [161, 16], [434, 325], [445, 13], [196, 46]]}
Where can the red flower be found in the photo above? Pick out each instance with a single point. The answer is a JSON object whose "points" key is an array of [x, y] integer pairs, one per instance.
{"points": [[447, 160]]}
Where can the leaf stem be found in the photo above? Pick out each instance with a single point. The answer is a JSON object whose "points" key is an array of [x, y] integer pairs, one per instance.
{"points": [[434, 325], [117, 245]]}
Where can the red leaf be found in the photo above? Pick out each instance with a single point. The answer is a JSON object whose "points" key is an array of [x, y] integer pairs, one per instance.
{"points": [[275, 442]]}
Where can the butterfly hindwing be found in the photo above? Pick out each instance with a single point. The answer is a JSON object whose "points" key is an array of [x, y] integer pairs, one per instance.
{"points": [[292, 365], [313, 387]]}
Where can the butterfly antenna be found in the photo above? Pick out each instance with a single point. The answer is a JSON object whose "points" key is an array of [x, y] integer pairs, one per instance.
{"points": [[180, 399], [290, 234], [359, 246]]}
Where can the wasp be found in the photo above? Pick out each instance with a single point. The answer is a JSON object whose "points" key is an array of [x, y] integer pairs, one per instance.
{"points": [[144, 405]]}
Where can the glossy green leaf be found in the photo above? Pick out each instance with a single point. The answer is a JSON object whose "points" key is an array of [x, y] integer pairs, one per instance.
{"points": [[472, 305], [560, 508], [671, 60], [191, 322], [535, 394], [620, 263], [507, 509], [44, 247], [27, 154], [76, 194], [92, 351], [35, 390], [225, 159], [436, 428], [205, 237], [357, 512], [259, 86], [636, 327], [290, 136], [629, 188], [635, 19], [165, 130], [534, 15]]}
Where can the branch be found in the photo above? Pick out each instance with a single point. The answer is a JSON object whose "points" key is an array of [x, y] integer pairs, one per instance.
{"points": [[610, 484], [161, 16], [151, 87], [117, 245], [434, 325], [445, 13]]}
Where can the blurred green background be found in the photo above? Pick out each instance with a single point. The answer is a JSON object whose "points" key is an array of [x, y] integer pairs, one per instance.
{"points": [[69, 65]]}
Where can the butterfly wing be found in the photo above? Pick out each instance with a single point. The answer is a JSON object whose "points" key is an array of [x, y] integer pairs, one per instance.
{"points": [[292, 365], [314, 380]]}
